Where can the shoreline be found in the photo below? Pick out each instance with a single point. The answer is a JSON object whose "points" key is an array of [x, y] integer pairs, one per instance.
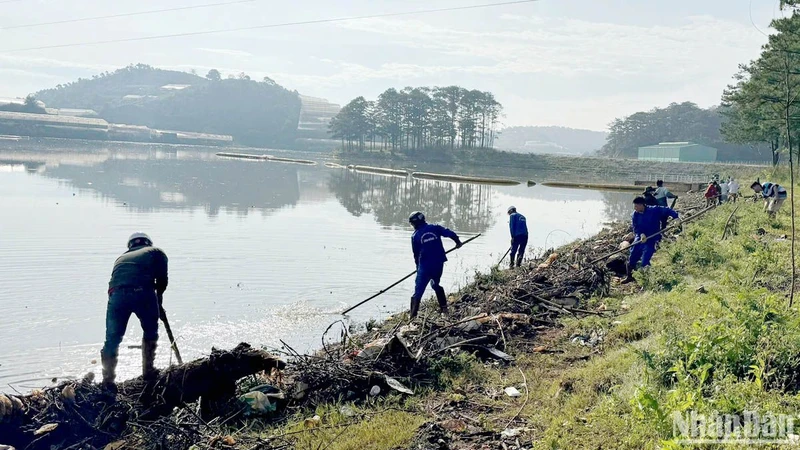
{"points": [[480, 323]]}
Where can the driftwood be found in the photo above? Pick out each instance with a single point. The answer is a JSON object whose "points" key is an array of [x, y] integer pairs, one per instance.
{"points": [[83, 411]]}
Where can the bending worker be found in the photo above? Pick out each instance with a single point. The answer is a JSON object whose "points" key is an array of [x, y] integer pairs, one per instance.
{"points": [[429, 256], [646, 221], [137, 285], [519, 235], [773, 194]]}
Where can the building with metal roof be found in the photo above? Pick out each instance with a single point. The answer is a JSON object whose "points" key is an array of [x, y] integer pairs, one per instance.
{"points": [[678, 152], [315, 115]]}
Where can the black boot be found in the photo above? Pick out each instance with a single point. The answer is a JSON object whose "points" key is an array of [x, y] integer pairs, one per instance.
{"points": [[442, 299], [414, 307], [511, 263], [519, 261], [628, 274], [109, 364], [148, 359]]}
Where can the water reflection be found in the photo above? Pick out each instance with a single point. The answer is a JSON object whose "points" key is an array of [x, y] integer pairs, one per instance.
{"points": [[259, 251], [148, 181], [463, 207], [619, 205]]}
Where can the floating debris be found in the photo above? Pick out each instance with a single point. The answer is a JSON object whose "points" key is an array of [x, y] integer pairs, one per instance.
{"points": [[597, 186], [381, 171], [464, 178], [307, 162]]}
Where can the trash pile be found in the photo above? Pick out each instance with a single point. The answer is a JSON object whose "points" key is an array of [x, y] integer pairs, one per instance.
{"points": [[171, 411]]}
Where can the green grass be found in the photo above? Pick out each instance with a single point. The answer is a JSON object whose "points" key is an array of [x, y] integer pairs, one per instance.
{"points": [[733, 345]]}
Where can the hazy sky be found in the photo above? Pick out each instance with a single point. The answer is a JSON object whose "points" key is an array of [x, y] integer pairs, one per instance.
{"points": [[577, 63]]}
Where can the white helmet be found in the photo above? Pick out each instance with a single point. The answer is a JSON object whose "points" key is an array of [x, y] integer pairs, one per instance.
{"points": [[136, 236], [512, 209]]}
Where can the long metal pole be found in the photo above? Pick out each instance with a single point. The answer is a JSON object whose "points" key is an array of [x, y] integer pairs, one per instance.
{"points": [[402, 279]]}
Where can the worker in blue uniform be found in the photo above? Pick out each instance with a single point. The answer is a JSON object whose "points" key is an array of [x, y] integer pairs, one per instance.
{"points": [[519, 235], [646, 221], [429, 256]]}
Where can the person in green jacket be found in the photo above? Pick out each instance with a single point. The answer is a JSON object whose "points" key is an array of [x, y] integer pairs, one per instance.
{"points": [[137, 285]]}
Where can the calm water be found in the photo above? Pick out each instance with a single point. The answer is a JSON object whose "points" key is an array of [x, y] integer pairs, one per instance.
{"points": [[259, 251]]}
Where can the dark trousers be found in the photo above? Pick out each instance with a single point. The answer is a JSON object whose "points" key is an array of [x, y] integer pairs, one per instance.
{"points": [[426, 275], [518, 244], [642, 252], [122, 302]]}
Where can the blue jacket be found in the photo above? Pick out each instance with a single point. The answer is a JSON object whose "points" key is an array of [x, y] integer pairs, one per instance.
{"points": [[426, 242], [518, 225], [649, 221]]}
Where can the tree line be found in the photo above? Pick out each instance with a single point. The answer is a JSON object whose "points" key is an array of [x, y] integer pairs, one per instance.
{"points": [[678, 122], [763, 107], [419, 118], [758, 118]]}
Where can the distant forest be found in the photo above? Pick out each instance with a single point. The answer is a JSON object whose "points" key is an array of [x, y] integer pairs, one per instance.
{"points": [[419, 118], [257, 113], [550, 140], [678, 122]]}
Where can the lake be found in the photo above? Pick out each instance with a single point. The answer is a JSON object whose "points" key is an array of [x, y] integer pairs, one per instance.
{"points": [[259, 251]]}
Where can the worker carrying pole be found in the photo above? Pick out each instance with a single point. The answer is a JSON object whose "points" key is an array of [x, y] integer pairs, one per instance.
{"points": [[138, 281], [646, 221], [429, 256]]}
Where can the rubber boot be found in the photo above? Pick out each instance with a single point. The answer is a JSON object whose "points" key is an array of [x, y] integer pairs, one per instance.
{"points": [[109, 364], [628, 274], [148, 359], [519, 261], [442, 299], [511, 264], [414, 307]]}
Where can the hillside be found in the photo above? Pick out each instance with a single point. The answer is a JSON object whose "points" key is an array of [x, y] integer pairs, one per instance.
{"points": [[554, 140], [254, 113]]}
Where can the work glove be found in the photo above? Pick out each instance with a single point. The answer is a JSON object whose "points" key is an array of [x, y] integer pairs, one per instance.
{"points": [[459, 244], [643, 238]]}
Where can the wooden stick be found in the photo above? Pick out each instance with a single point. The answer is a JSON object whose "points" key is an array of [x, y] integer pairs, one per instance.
{"points": [[403, 279], [171, 336], [504, 256], [727, 222]]}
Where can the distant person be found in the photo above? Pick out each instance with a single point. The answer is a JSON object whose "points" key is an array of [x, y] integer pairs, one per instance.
{"points": [[773, 194], [646, 221], [649, 196], [137, 285], [662, 194], [733, 190], [720, 191], [429, 256], [724, 190], [519, 235], [711, 194]]}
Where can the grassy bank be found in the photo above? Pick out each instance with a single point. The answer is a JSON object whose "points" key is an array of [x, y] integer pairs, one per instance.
{"points": [[550, 167], [709, 331]]}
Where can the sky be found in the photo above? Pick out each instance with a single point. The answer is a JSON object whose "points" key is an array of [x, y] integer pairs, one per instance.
{"points": [[575, 63]]}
